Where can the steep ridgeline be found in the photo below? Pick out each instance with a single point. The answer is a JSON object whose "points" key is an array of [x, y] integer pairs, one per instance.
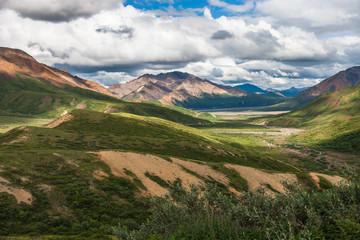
{"points": [[343, 79], [186, 90], [15, 61]]}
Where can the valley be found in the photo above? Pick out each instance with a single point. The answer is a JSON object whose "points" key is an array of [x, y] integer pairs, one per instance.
{"points": [[76, 163]]}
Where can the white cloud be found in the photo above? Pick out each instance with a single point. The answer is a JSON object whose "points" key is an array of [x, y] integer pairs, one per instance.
{"points": [[227, 49], [321, 16], [232, 7], [58, 10]]}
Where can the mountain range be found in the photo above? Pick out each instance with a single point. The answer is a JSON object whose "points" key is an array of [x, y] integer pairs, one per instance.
{"points": [[344, 79], [189, 91], [77, 162], [291, 92]]}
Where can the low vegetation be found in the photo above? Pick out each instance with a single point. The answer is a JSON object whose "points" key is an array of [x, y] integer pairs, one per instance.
{"points": [[332, 121], [208, 214]]}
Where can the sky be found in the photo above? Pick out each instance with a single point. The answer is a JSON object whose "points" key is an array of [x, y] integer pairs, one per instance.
{"points": [[270, 43]]}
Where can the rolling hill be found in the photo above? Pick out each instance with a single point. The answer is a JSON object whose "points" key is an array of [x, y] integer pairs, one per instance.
{"points": [[332, 120], [96, 163], [343, 79], [189, 91], [87, 171]]}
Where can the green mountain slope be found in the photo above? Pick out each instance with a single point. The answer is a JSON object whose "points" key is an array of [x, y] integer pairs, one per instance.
{"points": [[332, 121], [33, 97], [344, 79], [73, 193], [210, 101]]}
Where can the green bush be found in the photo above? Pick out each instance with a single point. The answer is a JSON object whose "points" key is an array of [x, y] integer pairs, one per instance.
{"points": [[205, 213]]}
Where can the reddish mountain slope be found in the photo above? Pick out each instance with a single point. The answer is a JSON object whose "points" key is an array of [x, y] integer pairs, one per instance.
{"points": [[15, 61], [343, 79], [170, 87]]}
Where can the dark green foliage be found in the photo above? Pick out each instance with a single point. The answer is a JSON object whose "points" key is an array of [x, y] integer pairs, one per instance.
{"points": [[208, 214], [208, 101], [158, 180], [325, 184], [74, 204], [236, 181], [25, 97], [306, 180], [348, 142]]}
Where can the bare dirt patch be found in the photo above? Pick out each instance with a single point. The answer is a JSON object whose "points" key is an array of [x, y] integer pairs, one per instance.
{"points": [[81, 106], [100, 174], [109, 109], [47, 99], [73, 102], [257, 178], [20, 194], [336, 180], [60, 120], [139, 164]]}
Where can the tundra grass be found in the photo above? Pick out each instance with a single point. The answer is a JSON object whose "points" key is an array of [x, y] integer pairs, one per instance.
{"points": [[67, 199], [35, 98], [9, 122]]}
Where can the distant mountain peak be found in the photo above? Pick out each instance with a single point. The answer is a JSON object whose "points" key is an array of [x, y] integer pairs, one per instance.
{"points": [[170, 88], [251, 88]]}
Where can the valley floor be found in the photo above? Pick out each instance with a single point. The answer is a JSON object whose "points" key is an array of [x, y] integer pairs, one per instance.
{"points": [[93, 171]]}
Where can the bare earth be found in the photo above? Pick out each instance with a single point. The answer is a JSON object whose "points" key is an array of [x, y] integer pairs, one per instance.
{"points": [[336, 180], [257, 178], [172, 170], [20, 194], [139, 164], [60, 120]]}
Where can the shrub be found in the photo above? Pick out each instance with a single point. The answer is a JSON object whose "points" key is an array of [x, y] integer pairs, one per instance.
{"points": [[205, 213]]}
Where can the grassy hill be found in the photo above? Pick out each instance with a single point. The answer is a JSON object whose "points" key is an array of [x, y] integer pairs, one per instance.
{"points": [[35, 98], [332, 121], [68, 180], [57, 167], [208, 101]]}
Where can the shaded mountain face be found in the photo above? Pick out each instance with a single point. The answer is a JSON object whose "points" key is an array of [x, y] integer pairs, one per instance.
{"points": [[343, 79], [292, 92], [15, 61], [186, 90], [251, 88]]}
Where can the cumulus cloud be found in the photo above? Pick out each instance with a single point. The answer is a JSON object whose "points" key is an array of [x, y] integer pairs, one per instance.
{"points": [[122, 31], [233, 7], [221, 35], [122, 43], [321, 16], [58, 10]]}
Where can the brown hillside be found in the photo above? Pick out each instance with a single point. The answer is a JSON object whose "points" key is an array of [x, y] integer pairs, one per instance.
{"points": [[13, 61], [170, 87]]}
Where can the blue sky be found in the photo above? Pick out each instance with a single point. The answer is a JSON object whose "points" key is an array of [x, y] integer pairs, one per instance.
{"points": [[187, 5], [269, 43]]}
